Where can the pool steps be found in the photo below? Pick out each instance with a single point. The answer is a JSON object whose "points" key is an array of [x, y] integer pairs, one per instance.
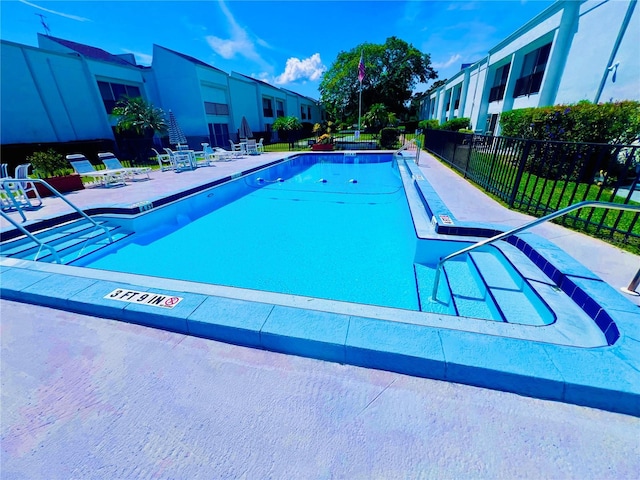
{"points": [[481, 285], [72, 240]]}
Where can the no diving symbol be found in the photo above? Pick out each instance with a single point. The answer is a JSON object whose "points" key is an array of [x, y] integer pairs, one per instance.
{"points": [[172, 301]]}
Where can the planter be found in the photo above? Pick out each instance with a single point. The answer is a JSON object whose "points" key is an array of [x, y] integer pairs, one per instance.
{"points": [[64, 184], [322, 147]]}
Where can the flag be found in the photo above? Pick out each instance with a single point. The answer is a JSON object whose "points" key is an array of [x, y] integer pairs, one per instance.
{"points": [[361, 67]]}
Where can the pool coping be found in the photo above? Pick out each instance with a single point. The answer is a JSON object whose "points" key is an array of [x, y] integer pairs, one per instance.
{"points": [[605, 377]]}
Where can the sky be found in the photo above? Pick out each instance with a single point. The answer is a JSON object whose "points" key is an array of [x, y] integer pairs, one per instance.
{"points": [[286, 43]]}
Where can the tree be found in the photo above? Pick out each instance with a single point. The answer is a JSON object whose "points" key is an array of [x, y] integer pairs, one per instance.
{"points": [[138, 121], [392, 70], [137, 115], [378, 117], [288, 128]]}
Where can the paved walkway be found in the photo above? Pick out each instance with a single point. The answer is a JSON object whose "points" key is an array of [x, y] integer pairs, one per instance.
{"points": [[107, 399]]}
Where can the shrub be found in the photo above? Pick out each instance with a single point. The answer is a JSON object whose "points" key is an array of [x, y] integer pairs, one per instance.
{"points": [[456, 124], [389, 137], [614, 123], [49, 164], [432, 124]]}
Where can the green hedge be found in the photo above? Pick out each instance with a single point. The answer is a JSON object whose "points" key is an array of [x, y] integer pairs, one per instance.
{"points": [[614, 123]]}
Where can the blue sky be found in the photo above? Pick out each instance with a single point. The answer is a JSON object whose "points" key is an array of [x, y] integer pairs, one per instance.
{"points": [[286, 43]]}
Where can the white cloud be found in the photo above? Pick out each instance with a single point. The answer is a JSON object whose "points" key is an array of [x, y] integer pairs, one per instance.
{"points": [[54, 12], [307, 69], [238, 44], [452, 60]]}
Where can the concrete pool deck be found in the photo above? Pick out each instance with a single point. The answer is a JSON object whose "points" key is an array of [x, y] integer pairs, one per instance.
{"points": [[267, 415]]}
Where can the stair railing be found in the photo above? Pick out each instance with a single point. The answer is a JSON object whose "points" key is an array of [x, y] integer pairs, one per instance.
{"points": [[413, 142], [53, 251], [533, 223], [9, 191]]}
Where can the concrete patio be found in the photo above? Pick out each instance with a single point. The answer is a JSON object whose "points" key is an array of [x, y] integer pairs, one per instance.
{"points": [[84, 397]]}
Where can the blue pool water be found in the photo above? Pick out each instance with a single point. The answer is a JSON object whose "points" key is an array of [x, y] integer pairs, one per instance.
{"points": [[338, 231]]}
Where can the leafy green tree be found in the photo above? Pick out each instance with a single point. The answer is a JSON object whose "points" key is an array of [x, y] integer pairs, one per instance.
{"points": [[392, 70], [288, 128], [378, 117], [138, 121], [137, 115]]}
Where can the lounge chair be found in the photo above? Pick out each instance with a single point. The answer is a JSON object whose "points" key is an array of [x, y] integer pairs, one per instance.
{"points": [[111, 162], [106, 178], [164, 160], [223, 155], [260, 145]]}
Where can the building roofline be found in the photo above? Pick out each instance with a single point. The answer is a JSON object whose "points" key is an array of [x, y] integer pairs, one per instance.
{"points": [[548, 12], [191, 59], [90, 52]]}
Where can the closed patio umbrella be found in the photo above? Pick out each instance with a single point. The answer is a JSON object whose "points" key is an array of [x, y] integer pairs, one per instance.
{"points": [[245, 129], [176, 137]]}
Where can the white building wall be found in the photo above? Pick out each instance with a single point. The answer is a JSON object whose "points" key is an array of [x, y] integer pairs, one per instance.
{"points": [[587, 38], [48, 97], [246, 102], [593, 45], [179, 89]]}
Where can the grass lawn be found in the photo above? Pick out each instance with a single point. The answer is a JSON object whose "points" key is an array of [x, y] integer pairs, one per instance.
{"points": [[540, 196]]}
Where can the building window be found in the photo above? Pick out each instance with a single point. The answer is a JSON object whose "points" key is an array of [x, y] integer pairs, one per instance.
{"points": [[211, 108], [219, 134], [499, 83], [279, 108], [309, 113], [112, 92], [267, 107], [532, 72], [303, 113]]}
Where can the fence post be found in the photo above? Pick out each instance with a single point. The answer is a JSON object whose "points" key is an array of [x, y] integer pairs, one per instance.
{"points": [[518, 179]]}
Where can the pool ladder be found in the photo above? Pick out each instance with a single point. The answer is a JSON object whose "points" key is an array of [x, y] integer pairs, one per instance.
{"points": [[13, 186], [576, 206]]}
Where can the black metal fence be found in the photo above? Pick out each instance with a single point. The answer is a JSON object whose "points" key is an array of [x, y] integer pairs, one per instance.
{"points": [[540, 177]]}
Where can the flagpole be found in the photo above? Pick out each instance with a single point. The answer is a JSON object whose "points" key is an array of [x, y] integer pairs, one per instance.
{"points": [[360, 78], [359, 106]]}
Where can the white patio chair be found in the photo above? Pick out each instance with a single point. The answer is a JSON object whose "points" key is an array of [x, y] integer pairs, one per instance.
{"points": [[164, 160], [180, 160], [252, 147], [111, 162], [17, 194], [236, 149], [260, 146]]}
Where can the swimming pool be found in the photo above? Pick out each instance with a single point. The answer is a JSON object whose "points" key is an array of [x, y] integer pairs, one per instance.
{"points": [[331, 227], [569, 356], [315, 227]]}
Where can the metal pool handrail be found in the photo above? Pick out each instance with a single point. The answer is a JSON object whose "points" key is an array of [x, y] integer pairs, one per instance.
{"points": [[406, 147], [57, 194], [53, 251], [533, 223]]}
